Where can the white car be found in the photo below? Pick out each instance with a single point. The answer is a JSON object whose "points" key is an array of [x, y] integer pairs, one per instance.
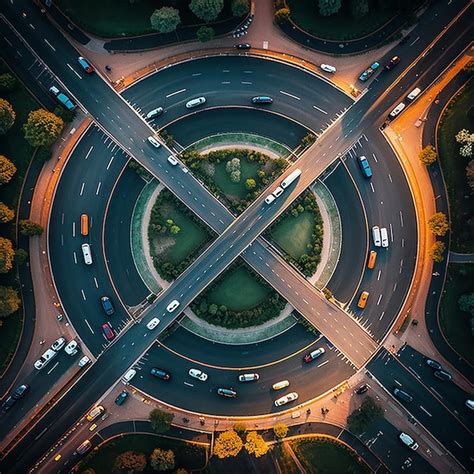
{"points": [[408, 441], [154, 113], [280, 385], [198, 374], [270, 198], [469, 404], [71, 348], [154, 141], [290, 397], [84, 361], [184, 169], [195, 102], [45, 358], [153, 323], [95, 412], [376, 236], [129, 376], [172, 160], [278, 192], [328, 68], [58, 344], [248, 377], [172, 306], [384, 237]]}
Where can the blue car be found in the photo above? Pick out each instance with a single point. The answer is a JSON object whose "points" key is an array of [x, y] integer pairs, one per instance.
{"points": [[262, 99], [107, 305], [365, 167]]}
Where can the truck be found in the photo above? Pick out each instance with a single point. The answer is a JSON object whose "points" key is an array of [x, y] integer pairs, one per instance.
{"points": [[63, 99], [290, 178]]}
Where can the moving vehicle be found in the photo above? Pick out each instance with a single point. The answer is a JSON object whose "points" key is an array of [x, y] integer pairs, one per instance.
{"points": [[153, 323], [86, 253], [248, 377], [433, 364], [404, 396], [45, 359], [95, 412], [84, 224], [108, 331], [278, 192], [107, 305], [364, 296], [314, 355], [290, 178], [369, 71], [84, 361], [376, 236], [372, 259], [392, 63], [195, 102], [407, 440], [85, 65], [328, 68], [72, 348], [270, 198], [172, 306], [129, 376], [262, 99], [58, 344], [19, 393], [63, 99], [198, 374], [364, 166], [280, 385], [443, 375], [469, 404], [290, 397], [384, 237], [362, 389], [227, 392], [172, 160], [396, 110], [414, 94], [83, 447], [154, 113], [154, 141], [160, 373], [243, 46], [120, 400]]}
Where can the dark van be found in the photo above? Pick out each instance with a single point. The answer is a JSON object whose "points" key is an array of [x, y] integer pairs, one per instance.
{"points": [[404, 396]]}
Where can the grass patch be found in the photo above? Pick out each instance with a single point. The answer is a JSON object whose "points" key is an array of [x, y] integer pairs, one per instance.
{"points": [[242, 463], [324, 456], [188, 456], [235, 191], [455, 323], [10, 331], [458, 115]]}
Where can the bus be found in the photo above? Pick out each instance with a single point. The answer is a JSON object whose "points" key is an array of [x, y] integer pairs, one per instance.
{"points": [[290, 178]]}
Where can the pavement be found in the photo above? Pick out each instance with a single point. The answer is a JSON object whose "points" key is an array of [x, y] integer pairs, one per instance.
{"points": [[455, 257]]}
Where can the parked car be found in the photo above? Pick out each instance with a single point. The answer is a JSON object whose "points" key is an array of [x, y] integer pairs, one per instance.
{"points": [[227, 392], [407, 440], [84, 361], [62, 98], [314, 355], [243, 46], [122, 397], [153, 323], [72, 348], [108, 331], [198, 374], [128, 376], [95, 413], [248, 377], [433, 364], [392, 63], [58, 344], [160, 373], [290, 397], [83, 447], [443, 375], [362, 389], [85, 65], [107, 305], [328, 68], [470, 404]]}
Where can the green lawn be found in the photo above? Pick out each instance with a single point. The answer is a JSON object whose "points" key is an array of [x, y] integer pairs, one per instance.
{"points": [[461, 200], [454, 323], [235, 191], [293, 234], [238, 290], [327, 457], [187, 455], [10, 332]]}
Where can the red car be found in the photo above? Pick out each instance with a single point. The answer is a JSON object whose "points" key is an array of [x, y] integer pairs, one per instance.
{"points": [[108, 331], [85, 65]]}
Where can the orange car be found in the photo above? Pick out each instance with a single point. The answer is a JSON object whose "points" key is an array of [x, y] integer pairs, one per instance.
{"points": [[84, 224], [372, 258], [364, 296]]}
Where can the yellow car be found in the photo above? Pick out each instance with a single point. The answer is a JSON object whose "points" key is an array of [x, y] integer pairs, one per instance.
{"points": [[363, 299]]}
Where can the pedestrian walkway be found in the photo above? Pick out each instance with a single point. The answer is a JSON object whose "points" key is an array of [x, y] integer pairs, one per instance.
{"points": [[455, 257]]}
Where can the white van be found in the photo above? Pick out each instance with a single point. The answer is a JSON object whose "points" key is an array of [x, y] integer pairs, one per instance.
{"points": [[397, 110], [376, 236], [407, 440], [384, 237], [129, 376], [195, 102], [45, 359], [86, 252], [414, 94]]}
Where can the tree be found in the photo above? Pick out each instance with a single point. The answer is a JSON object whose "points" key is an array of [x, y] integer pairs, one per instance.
{"points": [[240, 7], [466, 139], [232, 165], [6, 214], [436, 251], [235, 176], [280, 430], [327, 293], [7, 116], [42, 128], [359, 8], [9, 301], [212, 309], [250, 183], [131, 461], [228, 444], [67, 115], [466, 303], [7, 170], [207, 10], [6, 255], [361, 418], [329, 7], [167, 137], [165, 19], [470, 174], [20, 256], [162, 459], [174, 229], [205, 33], [282, 15], [160, 420], [240, 429], [438, 224], [7, 82], [308, 140], [256, 445], [30, 228], [428, 155]]}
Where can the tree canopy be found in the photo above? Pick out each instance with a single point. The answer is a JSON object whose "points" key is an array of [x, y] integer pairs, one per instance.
{"points": [[6, 214], [42, 128], [7, 116], [6, 255], [438, 224], [7, 82], [7, 170], [361, 418], [30, 228], [131, 461], [162, 459], [255, 444], [240, 7], [207, 10], [428, 155], [280, 430], [9, 301], [436, 251], [165, 19], [160, 420], [228, 444], [205, 33]]}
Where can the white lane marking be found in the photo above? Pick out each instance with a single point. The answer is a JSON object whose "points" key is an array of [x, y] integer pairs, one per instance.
{"points": [[89, 152], [197, 74], [458, 444], [381, 316], [53, 367], [403, 243], [75, 257], [96, 282], [375, 158], [425, 410], [414, 41], [74, 71], [188, 384], [174, 93], [391, 232], [397, 382], [225, 82], [372, 187], [321, 110], [245, 82], [225, 70], [390, 177], [73, 229], [32, 27], [290, 95], [401, 218], [248, 72], [394, 287], [98, 188], [110, 162], [82, 189], [83, 295], [437, 393], [50, 45], [324, 363], [89, 326], [378, 301], [8, 41], [378, 275]]}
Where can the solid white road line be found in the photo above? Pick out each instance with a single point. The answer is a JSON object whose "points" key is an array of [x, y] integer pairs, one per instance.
{"points": [[110, 162], [321, 110], [174, 93], [75, 257], [51, 46], [290, 95], [426, 411], [74, 229]]}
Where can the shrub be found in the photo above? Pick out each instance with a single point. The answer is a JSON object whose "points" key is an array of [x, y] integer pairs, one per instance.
{"points": [[30, 228], [20, 256], [436, 251], [280, 430], [160, 420], [205, 33], [240, 7], [66, 115], [162, 459], [42, 128], [428, 155], [7, 116], [360, 419], [282, 15], [43, 153], [7, 170], [7, 82], [131, 461], [9, 301]]}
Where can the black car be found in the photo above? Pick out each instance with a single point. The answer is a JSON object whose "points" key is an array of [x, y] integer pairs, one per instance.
{"points": [[160, 373], [20, 391], [433, 364], [243, 46], [120, 400], [7, 404], [392, 63], [443, 375], [362, 389]]}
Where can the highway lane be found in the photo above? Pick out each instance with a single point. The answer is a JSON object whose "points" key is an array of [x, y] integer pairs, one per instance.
{"points": [[427, 409]]}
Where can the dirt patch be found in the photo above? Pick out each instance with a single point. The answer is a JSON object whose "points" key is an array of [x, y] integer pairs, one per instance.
{"points": [[162, 244]]}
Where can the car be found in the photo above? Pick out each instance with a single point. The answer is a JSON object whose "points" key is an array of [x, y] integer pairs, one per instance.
{"points": [[328, 68], [369, 71], [372, 259], [172, 306], [280, 385], [469, 404], [404, 396], [414, 94], [365, 167], [269, 199], [407, 440], [128, 376], [227, 392], [63, 99], [184, 169], [153, 323], [160, 373], [154, 113], [154, 141], [262, 99], [85, 65], [195, 102], [396, 110], [86, 253], [108, 331], [95, 412], [172, 160], [376, 236], [8, 404], [83, 447], [433, 364], [45, 358], [278, 192], [361, 389], [198, 374], [72, 348], [120, 400], [84, 361], [243, 46], [384, 237], [58, 344], [314, 355], [443, 375], [364, 296], [290, 397], [392, 63], [93, 427], [21, 391], [107, 305], [248, 377]]}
